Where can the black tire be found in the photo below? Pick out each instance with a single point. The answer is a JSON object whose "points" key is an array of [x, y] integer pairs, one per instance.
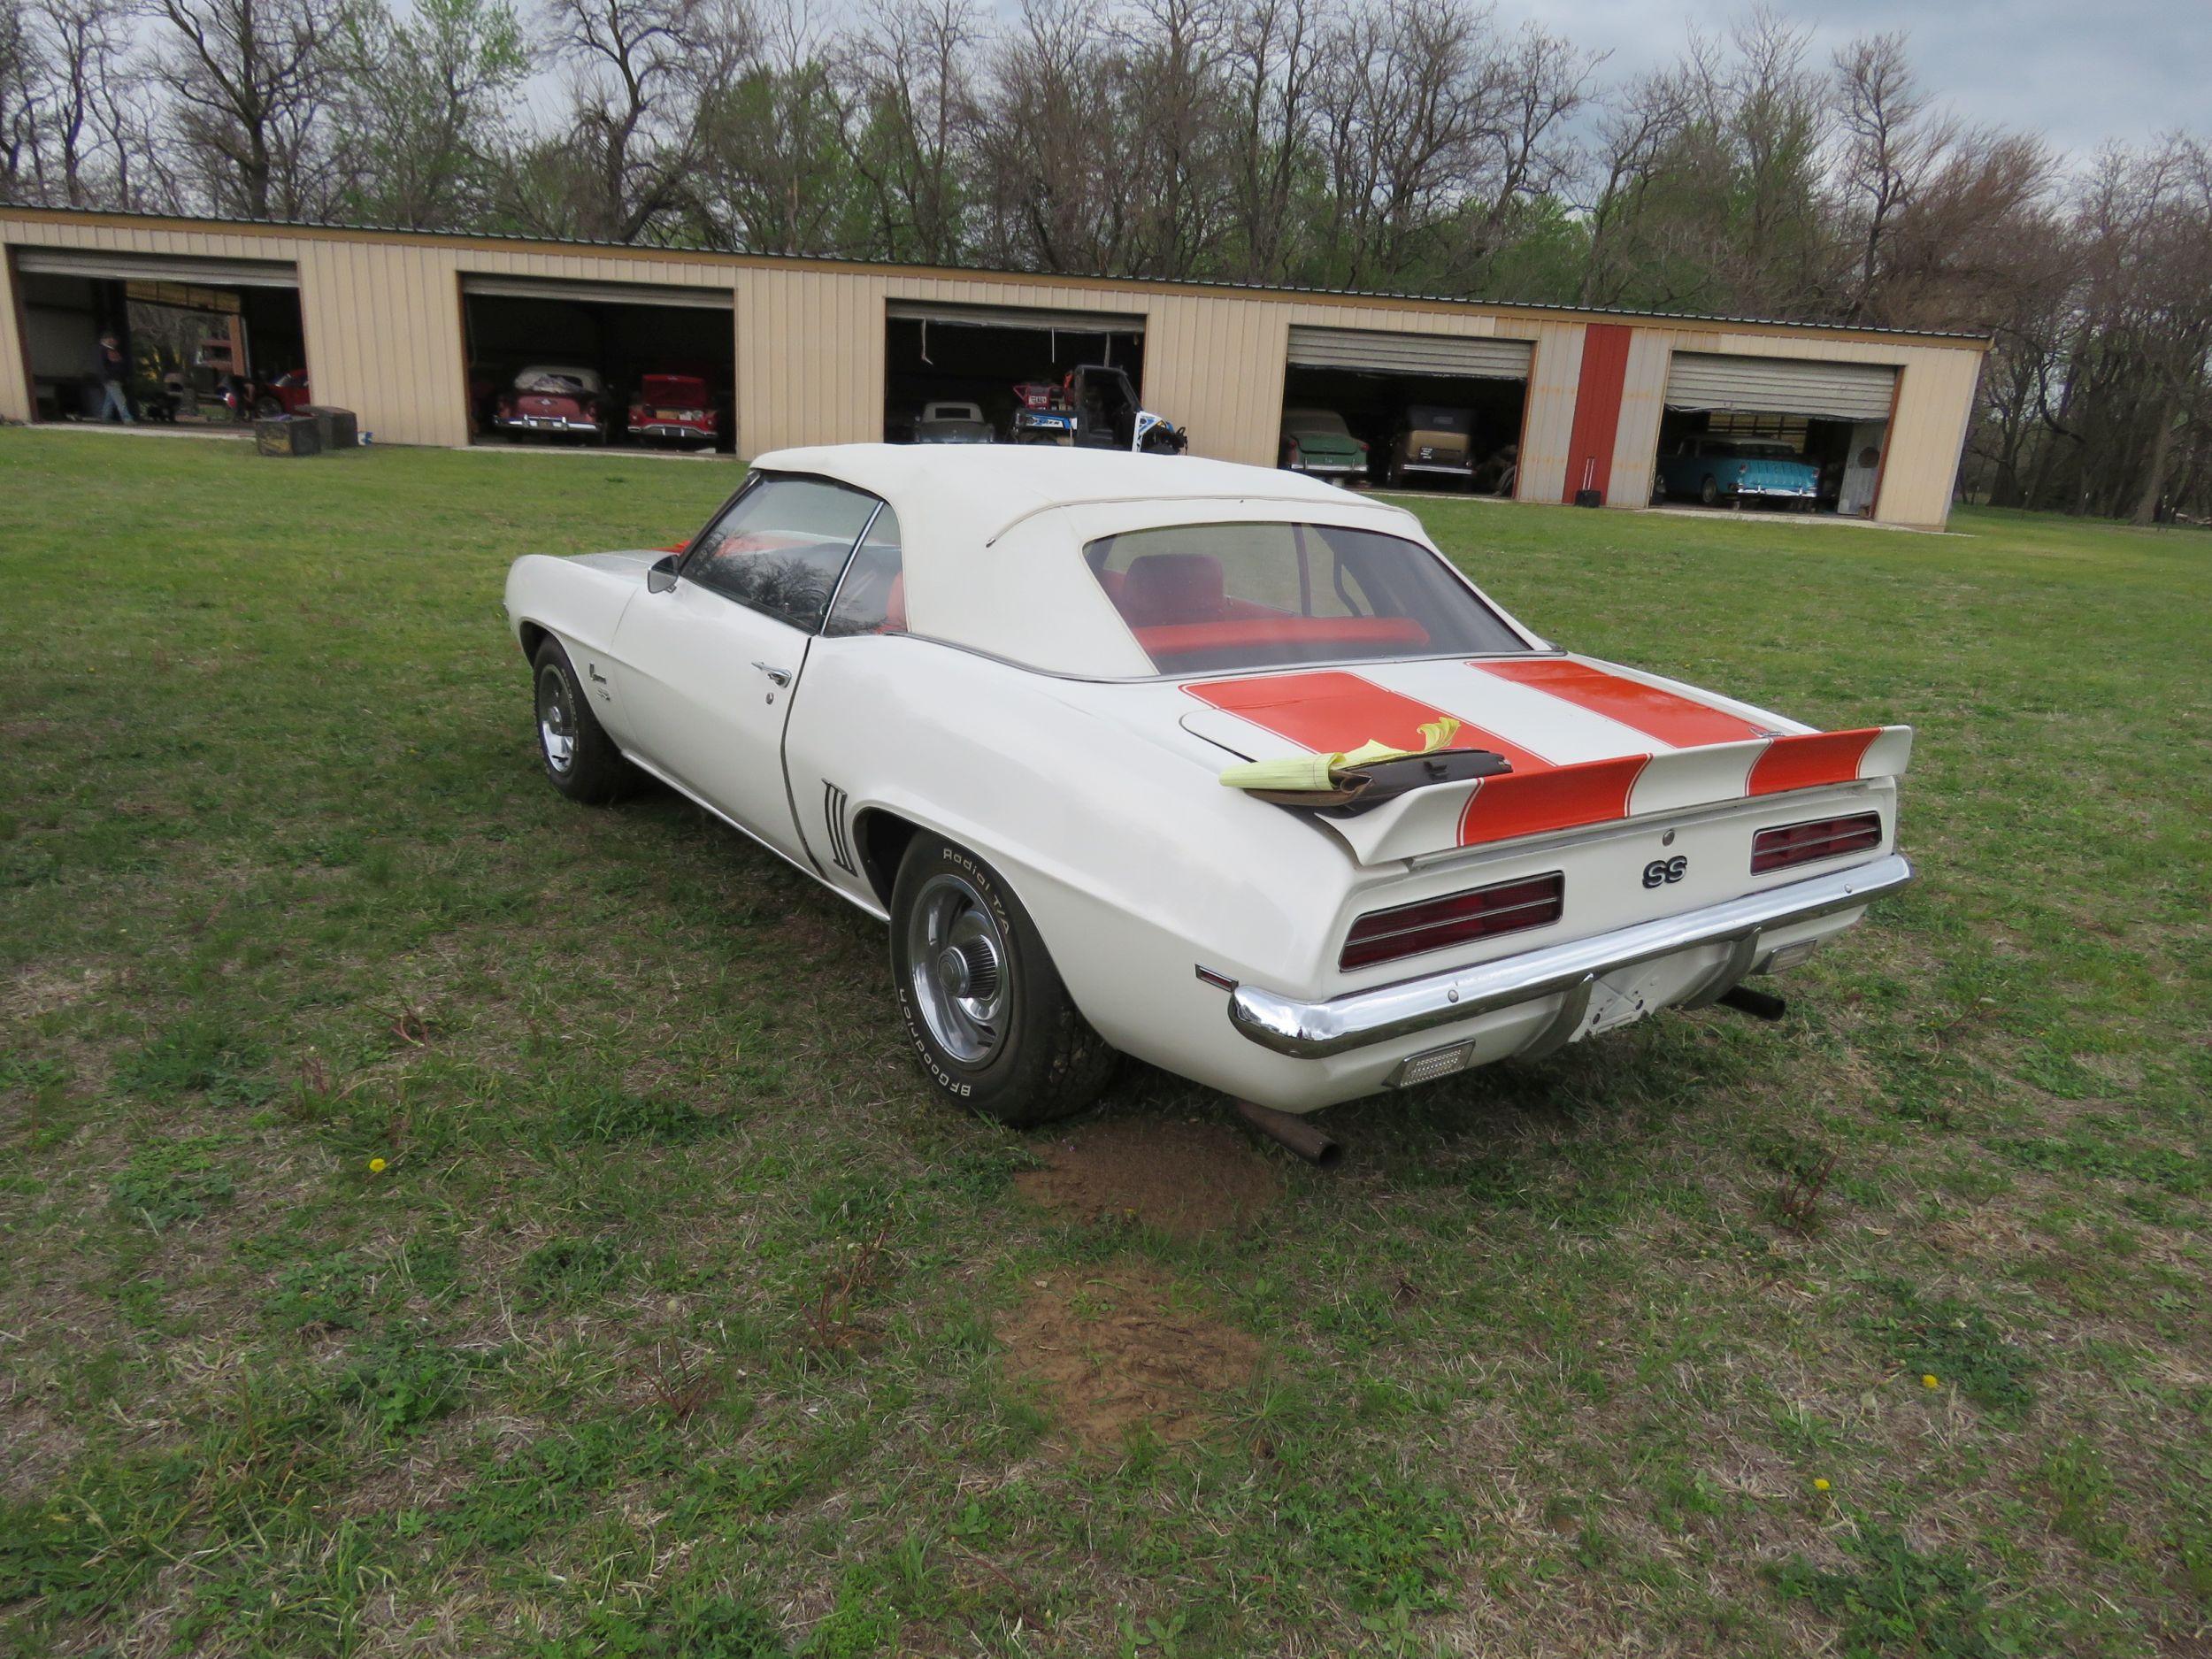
{"points": [[1709, 492], [593, 770], [267, 409], [1040, 1060]]}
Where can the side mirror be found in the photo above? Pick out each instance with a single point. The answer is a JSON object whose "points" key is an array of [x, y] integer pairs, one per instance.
{"points": [[662, 575]]}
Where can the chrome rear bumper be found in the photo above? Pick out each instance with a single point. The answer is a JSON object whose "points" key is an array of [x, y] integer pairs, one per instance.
{"points": [[1312, 1030]]}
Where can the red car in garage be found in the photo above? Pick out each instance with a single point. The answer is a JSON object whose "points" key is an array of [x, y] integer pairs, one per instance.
{"points": [[554, 398], [675, 408]]}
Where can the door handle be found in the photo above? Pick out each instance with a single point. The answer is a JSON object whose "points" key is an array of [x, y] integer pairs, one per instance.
{"points": [[777, 676]]}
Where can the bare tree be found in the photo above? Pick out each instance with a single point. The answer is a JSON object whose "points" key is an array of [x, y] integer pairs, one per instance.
{"points": [[22, 87], [93, 135], [250, 82], [1273, 54], [1055, 147], [622, 170], [912, 68], [1637, 138]]}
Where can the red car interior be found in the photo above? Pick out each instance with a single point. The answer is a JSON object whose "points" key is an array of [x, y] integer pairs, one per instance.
{"points": [[1176, 604]]}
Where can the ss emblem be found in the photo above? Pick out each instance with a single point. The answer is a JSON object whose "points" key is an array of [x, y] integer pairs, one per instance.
{"points": [[1659, 872]]}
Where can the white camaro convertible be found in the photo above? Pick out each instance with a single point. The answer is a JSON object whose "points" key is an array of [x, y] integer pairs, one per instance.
{"points": [[989, 695]]}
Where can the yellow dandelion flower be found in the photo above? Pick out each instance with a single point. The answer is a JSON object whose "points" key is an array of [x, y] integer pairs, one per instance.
{"points": [[1928, 1380], [376, 1167], [1820, 1486]]}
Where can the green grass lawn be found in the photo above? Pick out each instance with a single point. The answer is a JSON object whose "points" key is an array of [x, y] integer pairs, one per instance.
{"points": [[680, 1320]]}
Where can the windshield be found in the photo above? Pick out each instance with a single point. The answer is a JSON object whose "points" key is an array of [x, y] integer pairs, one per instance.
{"points": [[1200, 597], [1316, 422]]}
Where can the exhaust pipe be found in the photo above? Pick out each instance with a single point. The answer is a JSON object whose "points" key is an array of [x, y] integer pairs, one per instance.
{"points": [[1287, 1129], [1758, 1004]]}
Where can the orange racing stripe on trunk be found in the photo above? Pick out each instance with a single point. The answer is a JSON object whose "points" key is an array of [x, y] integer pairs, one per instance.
{"points": [[1673, 718], [1330, 712], [1564, 797], [1809, 759]]}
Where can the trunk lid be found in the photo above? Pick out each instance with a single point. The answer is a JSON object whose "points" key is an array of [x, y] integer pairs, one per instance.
{"points": [[1589, 744]]}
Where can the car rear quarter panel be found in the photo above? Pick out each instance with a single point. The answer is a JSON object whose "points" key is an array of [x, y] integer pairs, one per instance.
{"points": [[1136, 865]]}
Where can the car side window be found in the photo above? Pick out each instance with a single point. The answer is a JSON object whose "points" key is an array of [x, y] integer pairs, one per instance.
{"points": [[872, 599], [780, 547]]}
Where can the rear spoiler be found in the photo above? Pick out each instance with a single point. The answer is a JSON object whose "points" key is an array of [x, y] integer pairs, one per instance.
{"points": [[1511, 804]]}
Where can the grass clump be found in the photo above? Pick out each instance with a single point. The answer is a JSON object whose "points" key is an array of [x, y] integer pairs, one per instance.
{"points": [[199, 1055], [1956, 1343], [172, 1181], [609, 1114], [1899, 1601], [401, 1381], [572, 1266]]}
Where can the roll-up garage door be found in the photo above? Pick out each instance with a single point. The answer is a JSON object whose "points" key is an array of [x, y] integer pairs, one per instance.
{"points": [[1010, 317], [1778, 385], [1373, 352], [528, 288], [153, 267]]}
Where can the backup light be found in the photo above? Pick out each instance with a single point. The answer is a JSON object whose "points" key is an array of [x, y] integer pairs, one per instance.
{"points": [[1410, 930], [1792, 844]]}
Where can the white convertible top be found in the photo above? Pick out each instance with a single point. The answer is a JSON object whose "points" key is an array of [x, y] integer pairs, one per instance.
{"points": [[992, 534]]}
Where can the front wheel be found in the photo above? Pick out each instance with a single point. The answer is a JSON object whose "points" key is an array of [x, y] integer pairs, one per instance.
{"points": [[581, 761], [1709, 492], [988, 1016]]}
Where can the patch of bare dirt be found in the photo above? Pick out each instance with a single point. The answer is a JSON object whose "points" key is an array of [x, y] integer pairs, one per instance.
{"points": [[1186, 1178], [1121, 1348]]}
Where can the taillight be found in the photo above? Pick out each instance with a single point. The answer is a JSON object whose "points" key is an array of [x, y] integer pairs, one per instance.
{"points": [[1410, 930], [1808, 843]]}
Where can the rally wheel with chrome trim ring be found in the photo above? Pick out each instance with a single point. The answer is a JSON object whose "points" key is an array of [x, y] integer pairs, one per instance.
{"points": [[581, 761], [986, 1011]]}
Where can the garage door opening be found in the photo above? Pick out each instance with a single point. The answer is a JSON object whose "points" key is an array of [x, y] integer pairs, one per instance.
{"points": [[936, 356], [205, 343], [1433, 412], [1762, 432], [592, 364]]}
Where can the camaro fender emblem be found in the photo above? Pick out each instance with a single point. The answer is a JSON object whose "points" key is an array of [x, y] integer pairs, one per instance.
{"points": [[1660, 871]]}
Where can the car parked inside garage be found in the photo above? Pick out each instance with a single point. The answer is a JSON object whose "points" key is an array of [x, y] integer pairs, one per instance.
{"points": [[1736, 470], [1319, 443], [564, 400], [1433, 445], [671, 408], [944, 421]]}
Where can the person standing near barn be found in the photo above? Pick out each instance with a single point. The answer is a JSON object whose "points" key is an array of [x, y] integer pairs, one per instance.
{"points": [[112, 367]]}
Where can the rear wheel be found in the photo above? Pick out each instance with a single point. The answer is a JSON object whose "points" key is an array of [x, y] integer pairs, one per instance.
{"points": [[580, 760], [989, 1018]]}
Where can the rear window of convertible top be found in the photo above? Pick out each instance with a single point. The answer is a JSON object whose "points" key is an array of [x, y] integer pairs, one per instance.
{"points": [[1208, 596]]}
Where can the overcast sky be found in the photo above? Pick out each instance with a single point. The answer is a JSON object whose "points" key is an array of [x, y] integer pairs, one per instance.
{"points": [[2078, 73]]}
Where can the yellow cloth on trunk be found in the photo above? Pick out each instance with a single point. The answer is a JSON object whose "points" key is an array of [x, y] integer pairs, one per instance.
{"points": [[1317, 773]]}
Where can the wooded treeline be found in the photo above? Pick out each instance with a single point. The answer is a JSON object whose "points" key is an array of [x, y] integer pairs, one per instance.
{"points": [[1406, 145]]}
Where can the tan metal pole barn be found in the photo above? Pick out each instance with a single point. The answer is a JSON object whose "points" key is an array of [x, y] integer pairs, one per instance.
{"points": [[381, 313]]}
